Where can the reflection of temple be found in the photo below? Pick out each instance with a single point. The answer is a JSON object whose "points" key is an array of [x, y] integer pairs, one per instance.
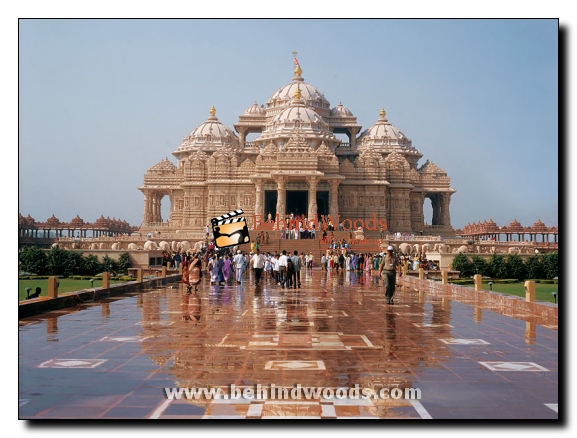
{"points": [[296, 164], [222, 336]]}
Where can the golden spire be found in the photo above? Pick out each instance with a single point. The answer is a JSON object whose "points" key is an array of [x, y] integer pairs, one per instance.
{"points": [[212, 111], [298, 93], [382, 113]]}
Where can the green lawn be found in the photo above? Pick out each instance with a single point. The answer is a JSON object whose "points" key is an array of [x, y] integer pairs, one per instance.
{"points": [[542, 291], [66, 285]]}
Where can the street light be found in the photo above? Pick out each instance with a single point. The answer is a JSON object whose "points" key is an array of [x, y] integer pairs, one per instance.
{"points": [[92, 283], [554, 296], [491, 285]]}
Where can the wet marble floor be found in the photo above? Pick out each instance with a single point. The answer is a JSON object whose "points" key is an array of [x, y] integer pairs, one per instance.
{"points": [[114, 358]]}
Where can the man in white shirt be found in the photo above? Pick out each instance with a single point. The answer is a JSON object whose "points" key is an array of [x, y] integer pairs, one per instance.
{"points": [[239, 264], [282, 262], [257, 263], [274, 263]]}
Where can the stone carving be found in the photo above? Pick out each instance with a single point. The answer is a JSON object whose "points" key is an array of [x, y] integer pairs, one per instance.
{"points": [[463, 249], [116, 246], [405, 248], [184, 245], [513, 250], [164, 246], [132, 246], [149, 245]]}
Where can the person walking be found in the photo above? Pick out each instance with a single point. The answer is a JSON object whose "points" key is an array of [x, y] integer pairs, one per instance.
{"points": [[282, 263], [297, 263], [185, 276], [194, 271], [257, 263], [239, 265], [389, 265]]}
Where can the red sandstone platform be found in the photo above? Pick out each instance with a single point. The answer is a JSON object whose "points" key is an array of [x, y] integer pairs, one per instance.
{"points": [[470, 358]]}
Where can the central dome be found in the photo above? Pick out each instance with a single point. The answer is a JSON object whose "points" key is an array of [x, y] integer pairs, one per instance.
{"points": [[310, 95]]}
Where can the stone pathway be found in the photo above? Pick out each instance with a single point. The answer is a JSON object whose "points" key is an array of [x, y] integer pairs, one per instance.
{"points": [[114, 358]]}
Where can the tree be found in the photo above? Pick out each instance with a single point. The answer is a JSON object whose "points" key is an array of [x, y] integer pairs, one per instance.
{"points": [[515, 267], [33, 260], [91, 265], [124, 263], [108, 264], [551, 264], [480, 266], [461, 263], [534, 266], [497, 266], [74, 263], [57, 259]]}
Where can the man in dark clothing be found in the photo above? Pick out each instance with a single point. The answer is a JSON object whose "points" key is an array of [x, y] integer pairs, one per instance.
{"points": [[297, 265], [389, 265]]}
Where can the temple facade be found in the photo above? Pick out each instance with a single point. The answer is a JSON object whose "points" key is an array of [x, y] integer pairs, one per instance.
{"points": [[297, 165]]}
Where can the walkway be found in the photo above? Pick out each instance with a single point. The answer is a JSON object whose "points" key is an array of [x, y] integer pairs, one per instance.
{"points": [[113, 359]]}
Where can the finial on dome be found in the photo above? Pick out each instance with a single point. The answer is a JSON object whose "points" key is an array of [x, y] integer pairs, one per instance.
{"points": [[382, 113], [212, 111], [297, 70], [298, 93]]}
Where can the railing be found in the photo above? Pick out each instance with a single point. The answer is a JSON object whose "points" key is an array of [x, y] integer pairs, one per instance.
{"points": [[345, 146]]}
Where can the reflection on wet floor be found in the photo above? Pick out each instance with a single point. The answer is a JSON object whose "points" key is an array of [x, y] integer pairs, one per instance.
{"points": [[114, 358]]}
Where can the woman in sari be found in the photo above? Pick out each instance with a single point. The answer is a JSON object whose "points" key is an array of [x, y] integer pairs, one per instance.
{"points": [[215, 268], [185, 275], [194, 275], [226, 268]]}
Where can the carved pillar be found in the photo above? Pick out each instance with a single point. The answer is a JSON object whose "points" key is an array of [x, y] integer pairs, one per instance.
{"points": [[281, 197], [242, 136], [445, 214], [334, 198], [353, 137], [312, 213], [258, 197]]}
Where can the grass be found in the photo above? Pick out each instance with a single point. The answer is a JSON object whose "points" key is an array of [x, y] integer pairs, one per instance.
{"points": [[66, 285], [542, 291]]}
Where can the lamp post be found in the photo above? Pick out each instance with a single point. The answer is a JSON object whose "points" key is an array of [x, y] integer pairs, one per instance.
{"points": [[92, 283], [490, 285], [554, 296]]}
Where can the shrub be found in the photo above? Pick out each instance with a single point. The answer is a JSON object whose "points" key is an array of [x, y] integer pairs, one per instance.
{"points": [[32, 259], [534, 267], [550, 265], [480, 266], [515, 267], [461, 263], [497, 266]]}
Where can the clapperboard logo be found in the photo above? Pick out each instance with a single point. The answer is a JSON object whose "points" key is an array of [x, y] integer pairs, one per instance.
{"points": [[229, 229]]}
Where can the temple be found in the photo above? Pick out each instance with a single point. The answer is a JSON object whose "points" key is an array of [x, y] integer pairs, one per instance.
{"points": [[296, 164]]}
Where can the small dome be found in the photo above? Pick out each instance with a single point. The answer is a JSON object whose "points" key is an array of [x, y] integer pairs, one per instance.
{"points": [[254, 110], [383, 133], [210, 135], [341, 111]]}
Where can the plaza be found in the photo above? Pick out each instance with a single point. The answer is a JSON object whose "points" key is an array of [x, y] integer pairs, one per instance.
{"points": [[113, 358]]}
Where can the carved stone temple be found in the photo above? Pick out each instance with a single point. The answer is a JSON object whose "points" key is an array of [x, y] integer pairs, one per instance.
{"points": [[295, 164]]}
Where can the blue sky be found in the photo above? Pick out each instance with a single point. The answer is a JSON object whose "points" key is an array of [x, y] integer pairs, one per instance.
{"points": [[101, 101]]}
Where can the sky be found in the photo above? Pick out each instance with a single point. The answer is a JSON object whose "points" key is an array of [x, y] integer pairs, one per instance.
{"points": [[101, 101]]}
